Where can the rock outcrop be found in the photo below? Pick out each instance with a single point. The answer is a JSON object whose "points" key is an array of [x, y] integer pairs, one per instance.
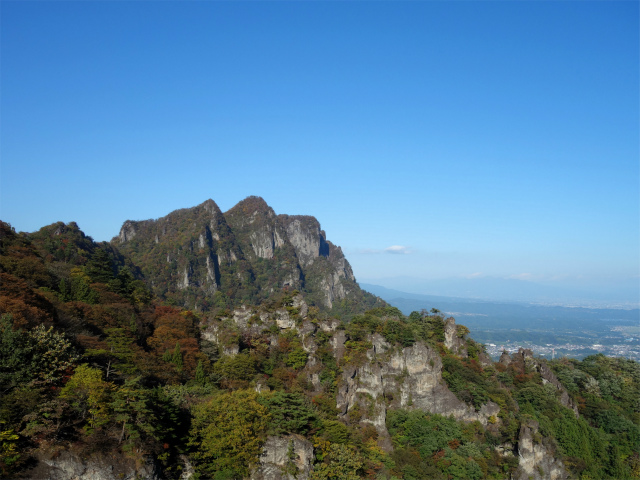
{"points": [[66, 465], [201, 258], [285, 458], [536, 459], [525, 357], [453, 340], [409, 378]]}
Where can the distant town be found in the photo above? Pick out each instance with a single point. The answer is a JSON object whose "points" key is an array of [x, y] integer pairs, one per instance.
{"points": [[549, 330], [629, 349], [618, 341]]}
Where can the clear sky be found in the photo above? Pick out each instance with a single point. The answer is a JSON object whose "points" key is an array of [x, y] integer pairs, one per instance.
{"points": [[430, 139]]}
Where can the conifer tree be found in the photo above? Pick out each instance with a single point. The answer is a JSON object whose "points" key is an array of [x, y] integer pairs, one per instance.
{"points": [[99, 267], [176, 359], [200, 377]]}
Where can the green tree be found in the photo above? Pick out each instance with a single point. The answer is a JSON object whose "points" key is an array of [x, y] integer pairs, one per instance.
{"points": [[227, 433], [200, 375], [51, 354], [9, 453], [290, 413], [132, 408], [79, 288], [90, 396], [237, 367], [14, 354], [35, 357], [99, 267], [297, 358], [176, 358], [123, 284], [342, 462], [121, 351]]}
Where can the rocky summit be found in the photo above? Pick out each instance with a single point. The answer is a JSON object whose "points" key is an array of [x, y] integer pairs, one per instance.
{"points": [[202, 258]]}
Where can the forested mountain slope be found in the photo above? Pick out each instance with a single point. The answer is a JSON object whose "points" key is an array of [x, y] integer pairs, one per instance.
{"points": [[101, 378]]}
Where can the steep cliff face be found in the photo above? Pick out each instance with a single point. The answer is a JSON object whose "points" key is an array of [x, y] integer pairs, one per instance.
{"points": [[537, 461], [410, 378], [306, 237], [201, 258], [452, 340], [188, 256]]}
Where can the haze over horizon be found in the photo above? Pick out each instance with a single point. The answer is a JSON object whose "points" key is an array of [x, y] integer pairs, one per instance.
{"points": [[623, 295], [432, 140]]}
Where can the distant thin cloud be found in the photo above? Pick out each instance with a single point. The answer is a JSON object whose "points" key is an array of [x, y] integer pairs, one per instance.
{"points": [[398, 250], [474, 275], [521, 276]]}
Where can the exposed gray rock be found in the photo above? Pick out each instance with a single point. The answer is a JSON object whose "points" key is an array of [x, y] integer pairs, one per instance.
{"points": [[285, 458], [252, 321], [549, 377], [336, 282], [127, 232], [241, 316], [332, 288], [452, 340], [247, 252], [183, 281], [230, 350], [505, 358], [187, 243], [305, 235], [307, 328], [266, 235], [301, 305], [330, 325], [536, 460], [187, 469], [409, 378], [66, 465], [337, 344], [539, 365], [213, 273], [284, 320], [484, 359]]}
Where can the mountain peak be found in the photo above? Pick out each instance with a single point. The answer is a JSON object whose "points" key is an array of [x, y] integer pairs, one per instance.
{"points": [[251, 205], [201, 258], [210, 206]]}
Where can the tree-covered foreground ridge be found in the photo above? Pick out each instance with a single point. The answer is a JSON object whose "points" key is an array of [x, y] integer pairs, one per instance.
{"points": [[237, 345]]}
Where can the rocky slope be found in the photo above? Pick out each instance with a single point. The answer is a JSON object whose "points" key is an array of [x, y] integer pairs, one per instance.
{"points": [[201, 258], [385, 378], [136, 388]]}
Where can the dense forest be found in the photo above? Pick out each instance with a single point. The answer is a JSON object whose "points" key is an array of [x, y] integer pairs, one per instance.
{"points": [[97, 361]]}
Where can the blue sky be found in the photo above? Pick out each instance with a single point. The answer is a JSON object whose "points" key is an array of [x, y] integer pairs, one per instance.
{"points": [[477, 138]]}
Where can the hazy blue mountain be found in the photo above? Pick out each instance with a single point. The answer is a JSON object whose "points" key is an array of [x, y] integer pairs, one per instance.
{"points": [[624, 293], [493, 314], [571, 331]]}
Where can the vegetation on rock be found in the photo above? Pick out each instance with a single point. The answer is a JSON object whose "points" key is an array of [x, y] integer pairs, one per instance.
{"points": [[96, 357]]}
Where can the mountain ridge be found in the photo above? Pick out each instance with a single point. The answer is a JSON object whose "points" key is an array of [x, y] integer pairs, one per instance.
{"points": [[202, 258]]}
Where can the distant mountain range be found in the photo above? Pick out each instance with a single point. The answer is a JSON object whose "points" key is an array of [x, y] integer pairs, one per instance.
{"points": [[624, 294], [571, 331], [484, 314]]}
